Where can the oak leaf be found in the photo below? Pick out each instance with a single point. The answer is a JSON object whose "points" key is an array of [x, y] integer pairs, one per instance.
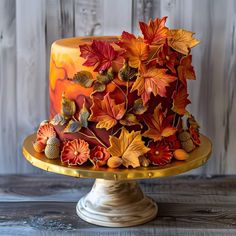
{"points": [[136, 50], [99, 54], [155, 32], [106, 112], [180, 100], [186, 70], [182, 40], [158, 125], [129, 146], [152, 80]]}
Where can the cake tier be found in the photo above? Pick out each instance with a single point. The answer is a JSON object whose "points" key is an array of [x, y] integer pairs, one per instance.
{"points": [[65, 62]]}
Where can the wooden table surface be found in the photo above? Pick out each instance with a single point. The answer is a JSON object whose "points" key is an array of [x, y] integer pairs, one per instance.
{"points": [[45, 205]]}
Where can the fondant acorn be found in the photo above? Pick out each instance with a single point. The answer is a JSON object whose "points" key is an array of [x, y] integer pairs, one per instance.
{"points": [[39, 146], [114, 162], [180, 154], [144, 161], [186, 141], [52, 150]]}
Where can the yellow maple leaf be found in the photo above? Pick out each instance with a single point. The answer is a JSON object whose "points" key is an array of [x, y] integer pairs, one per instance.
{"points": [[129, 146], [182, 40]]}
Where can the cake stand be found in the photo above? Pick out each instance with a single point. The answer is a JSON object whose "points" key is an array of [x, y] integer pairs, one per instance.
{"points": [[116, 200]]}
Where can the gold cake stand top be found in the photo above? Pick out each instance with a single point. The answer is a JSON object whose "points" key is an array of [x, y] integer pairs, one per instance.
{"points": [[197, 158]]}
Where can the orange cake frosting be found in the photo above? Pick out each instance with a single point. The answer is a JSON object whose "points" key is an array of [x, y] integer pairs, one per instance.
{"points": [[120, 101]]}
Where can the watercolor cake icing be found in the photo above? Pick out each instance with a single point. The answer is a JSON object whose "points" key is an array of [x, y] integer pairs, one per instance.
{"points": [[121, 101]]}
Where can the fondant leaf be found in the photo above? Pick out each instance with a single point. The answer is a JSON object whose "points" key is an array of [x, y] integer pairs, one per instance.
{"points": [[182, 40], [99, 54], [129, 146], [58, 119], [106, 112], [180, 100], [136, 49], [127, 73], [186, 70], [152, 80], [105, 77], [158, 125], [138, 107], [68, 107], [155, 32], [98, 87], [83, 116], [84, 78], [73, 127], [129, 120]]}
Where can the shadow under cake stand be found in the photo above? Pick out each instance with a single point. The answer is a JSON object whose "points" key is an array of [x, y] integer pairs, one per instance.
{"points": [[116, 200]]}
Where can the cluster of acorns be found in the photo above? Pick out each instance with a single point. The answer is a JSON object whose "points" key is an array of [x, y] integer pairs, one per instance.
{"points": [[47, 141]]}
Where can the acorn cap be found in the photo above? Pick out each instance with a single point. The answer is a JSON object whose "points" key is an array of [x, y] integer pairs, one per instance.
{"points": [[53, 141]]}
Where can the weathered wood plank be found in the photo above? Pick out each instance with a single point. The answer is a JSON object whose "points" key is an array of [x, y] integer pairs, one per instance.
{"points": [[32, 83], [45, 206], [58, 188], [8, 82], [88, 17]]}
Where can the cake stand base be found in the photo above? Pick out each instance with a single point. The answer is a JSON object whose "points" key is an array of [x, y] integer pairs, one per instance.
{"points": [[116, 204]]}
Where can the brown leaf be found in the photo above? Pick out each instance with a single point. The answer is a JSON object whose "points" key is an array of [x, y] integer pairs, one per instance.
{"points": [[83, 78]]}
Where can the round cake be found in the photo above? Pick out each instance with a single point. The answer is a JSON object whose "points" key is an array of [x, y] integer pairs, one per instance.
{"points": [[121, 101]]}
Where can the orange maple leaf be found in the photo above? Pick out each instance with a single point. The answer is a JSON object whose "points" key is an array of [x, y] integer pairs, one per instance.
{"points": [[158, 125], [155, 32], [136, 50], [186, 70], [129, 146], [182, 40], [180, 100], [152, 80], [106, 112]]}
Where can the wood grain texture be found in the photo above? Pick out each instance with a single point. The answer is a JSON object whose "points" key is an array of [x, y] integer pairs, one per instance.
{"points": [[28, 27], [8, 99], [45, 205]]}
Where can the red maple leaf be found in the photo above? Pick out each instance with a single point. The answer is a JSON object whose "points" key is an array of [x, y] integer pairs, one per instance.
{"points": [[99, 54], [158, 125], [180, 100], [167, 57], [152, 80], [106, 112], [186, 70], [155, 32]]}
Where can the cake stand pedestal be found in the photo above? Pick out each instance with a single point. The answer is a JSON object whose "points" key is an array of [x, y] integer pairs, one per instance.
{"points": [[116, 200]]}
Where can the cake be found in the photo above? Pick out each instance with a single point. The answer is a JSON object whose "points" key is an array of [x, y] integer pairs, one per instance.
{"points": [[120, 102]]}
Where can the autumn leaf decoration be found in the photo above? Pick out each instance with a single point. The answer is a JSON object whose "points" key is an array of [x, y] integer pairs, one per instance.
{"points": [[152, 80], [180, 100], [158, 125], [129, 146], [106, 112], [155, 32], [99, 54], [182, 40]]}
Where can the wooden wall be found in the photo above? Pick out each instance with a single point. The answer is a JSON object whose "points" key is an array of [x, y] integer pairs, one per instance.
{"points": [[28, 27]]}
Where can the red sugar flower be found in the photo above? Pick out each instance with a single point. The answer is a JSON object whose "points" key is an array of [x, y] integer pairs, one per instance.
{"points": [[159, 154], [99, 156], [75, 152], [45, 132]]}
